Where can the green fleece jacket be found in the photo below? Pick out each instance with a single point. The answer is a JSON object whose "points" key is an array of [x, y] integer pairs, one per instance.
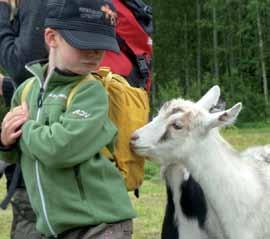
{"points": [[68, 181]]}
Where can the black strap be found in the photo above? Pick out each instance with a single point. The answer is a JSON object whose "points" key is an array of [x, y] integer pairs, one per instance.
{"points": [[137, 193], [142, 12], [12, 187], [141, 68]]}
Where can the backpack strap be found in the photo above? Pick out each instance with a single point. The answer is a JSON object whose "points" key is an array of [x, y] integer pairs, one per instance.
{"points": [[142, 12], [12, 187], [141, 66], [75, 89], [26, 90], [104, 74]]}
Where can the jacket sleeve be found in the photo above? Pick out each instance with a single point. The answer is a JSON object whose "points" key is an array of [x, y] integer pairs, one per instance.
{"points": [[83, 130], [21, 41], [12, 154]]}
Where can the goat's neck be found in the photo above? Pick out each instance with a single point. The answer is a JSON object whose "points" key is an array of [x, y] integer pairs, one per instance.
{"points": [[228, 182], [212, 155]]}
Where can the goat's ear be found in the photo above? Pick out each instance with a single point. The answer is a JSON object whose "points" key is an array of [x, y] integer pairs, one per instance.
{"points": [[210, 99], [223, 118]]}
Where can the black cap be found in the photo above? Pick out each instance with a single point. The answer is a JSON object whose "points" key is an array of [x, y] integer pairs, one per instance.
{"points": [[84, 24]]}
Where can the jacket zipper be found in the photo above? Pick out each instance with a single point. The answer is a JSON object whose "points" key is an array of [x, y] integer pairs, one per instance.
{"points": [[79, 181], [40, 190]]}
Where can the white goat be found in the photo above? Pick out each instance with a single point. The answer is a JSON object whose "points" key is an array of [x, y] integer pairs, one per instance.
{"points": [[236, 185]]}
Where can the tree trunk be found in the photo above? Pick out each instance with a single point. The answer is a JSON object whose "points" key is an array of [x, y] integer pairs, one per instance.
{"points": [[231, 65], [215, 45], [186, 58], [199, 36], [240, 47], [153, 98], [262, 58]]}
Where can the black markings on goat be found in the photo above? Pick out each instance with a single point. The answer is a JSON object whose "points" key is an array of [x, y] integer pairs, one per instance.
{"points": [[193, 202], [193, 206]]}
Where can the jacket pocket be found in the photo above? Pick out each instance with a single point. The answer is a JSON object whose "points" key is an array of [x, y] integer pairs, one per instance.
{"points": [[78, 179]]}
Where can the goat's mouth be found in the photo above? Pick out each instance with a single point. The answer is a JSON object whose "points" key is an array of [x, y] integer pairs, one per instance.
{"points": [[140, 149]]}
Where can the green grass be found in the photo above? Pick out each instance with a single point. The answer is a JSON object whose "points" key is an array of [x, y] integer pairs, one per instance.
{"points": [[5, 216], [243, 138], [150, 206], [150, 209]]}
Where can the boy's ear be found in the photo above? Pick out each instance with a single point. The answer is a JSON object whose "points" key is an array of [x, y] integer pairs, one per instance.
{"points": [[51, 37]]}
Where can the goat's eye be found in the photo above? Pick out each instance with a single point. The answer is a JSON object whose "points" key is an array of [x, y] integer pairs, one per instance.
{"points": [[177, 126]]}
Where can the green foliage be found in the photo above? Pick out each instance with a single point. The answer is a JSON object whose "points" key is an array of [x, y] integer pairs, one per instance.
{"points": [[151, 170], [184, 50]]}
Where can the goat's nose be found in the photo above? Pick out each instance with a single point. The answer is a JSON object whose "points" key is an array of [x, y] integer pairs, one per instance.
{"points": [[133, 140], [134, 137]]}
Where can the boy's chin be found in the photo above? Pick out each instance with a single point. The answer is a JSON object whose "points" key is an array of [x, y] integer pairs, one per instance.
{"points": [[82, 72], [86, 70]]}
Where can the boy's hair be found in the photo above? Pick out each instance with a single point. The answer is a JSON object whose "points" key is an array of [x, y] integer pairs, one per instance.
{"points": [[84, 24]]}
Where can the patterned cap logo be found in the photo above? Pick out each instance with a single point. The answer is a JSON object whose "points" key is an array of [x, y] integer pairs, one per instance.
{"points": [[109, 14]]}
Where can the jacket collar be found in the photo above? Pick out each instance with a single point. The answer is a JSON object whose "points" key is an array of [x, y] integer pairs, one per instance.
{"points": [[39, 70]]}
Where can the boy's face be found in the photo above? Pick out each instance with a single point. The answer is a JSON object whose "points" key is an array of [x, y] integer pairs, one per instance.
{"points": [[68, 58]]}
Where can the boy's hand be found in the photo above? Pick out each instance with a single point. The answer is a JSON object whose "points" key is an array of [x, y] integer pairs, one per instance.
{"points": [[11, 124]]}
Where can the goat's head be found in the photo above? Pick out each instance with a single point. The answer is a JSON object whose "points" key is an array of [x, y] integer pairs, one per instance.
{"points": [[178, 127]]}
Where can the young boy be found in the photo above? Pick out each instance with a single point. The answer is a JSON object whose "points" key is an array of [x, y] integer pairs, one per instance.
{"points": [[74, 191]]}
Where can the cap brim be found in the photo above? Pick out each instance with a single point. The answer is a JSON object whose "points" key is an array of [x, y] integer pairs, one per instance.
{"points": [[90, 41]]}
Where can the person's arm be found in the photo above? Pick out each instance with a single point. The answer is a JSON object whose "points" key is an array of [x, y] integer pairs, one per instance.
{"points": [[82, 131], [24, 42], [11, 128]]}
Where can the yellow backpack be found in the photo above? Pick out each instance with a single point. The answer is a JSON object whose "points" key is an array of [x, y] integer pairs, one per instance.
{"points": [[128, 110]]}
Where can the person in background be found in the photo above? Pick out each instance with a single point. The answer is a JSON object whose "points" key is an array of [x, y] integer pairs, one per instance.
{"points": [[21, 41], [74, 190]]}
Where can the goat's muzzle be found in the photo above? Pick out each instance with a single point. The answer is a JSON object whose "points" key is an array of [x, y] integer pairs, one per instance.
{"points": [[133, 139]]}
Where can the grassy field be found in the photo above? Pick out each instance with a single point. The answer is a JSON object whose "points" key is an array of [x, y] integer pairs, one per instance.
{"points": [[150, 205]]}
